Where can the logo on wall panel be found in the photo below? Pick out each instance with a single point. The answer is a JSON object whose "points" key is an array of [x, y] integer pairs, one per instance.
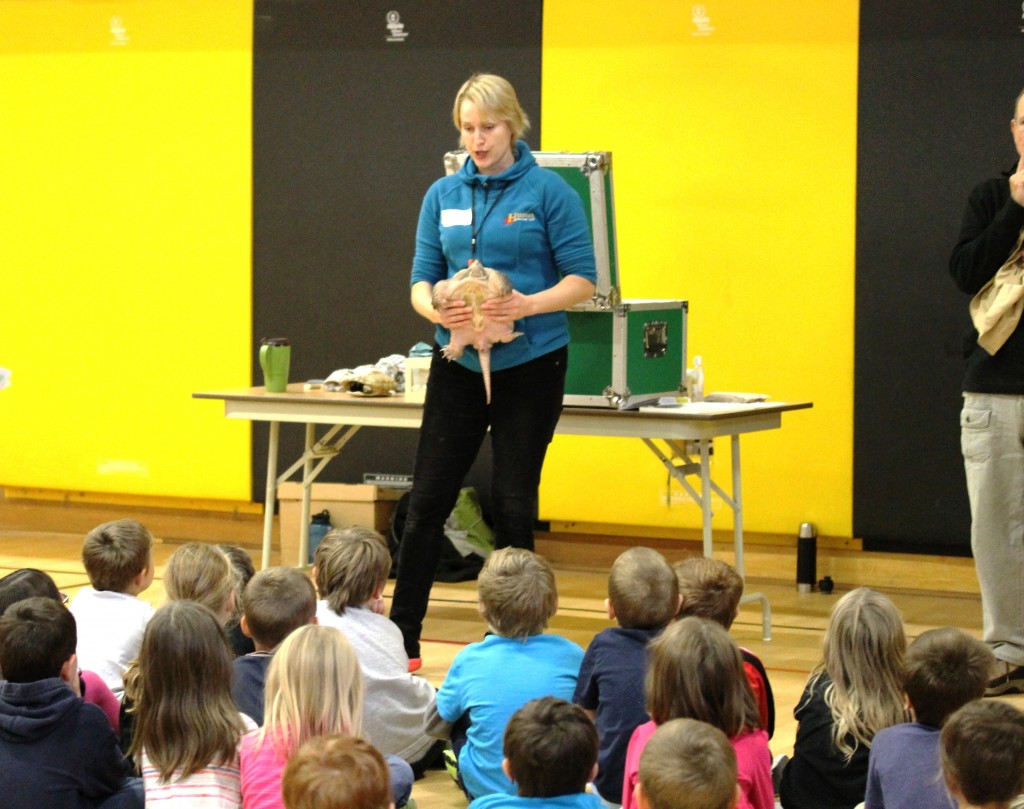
{"points": [[396, 28], [118, 33], [701, 21]]}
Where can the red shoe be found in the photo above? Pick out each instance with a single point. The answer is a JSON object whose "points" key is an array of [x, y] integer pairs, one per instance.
{"points": [[415, 664]]}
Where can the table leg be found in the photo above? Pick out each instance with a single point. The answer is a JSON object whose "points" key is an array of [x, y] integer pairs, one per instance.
{"points": [[705, 494], [307, 485], [271, 493]]}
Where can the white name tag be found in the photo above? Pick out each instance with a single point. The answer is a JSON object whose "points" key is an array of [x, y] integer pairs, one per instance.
{"points": [[453, 217]]}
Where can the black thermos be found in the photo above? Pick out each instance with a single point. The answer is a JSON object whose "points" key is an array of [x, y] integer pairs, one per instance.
{"points": [[806, 557]]}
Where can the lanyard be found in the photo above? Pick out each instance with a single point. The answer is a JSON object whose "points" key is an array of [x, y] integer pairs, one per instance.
{"points": [[476, 228]]}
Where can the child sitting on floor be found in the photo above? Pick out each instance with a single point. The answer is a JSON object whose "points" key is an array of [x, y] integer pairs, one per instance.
{"points": [[350, 568], [643, 596], [314, 688], [687, 764], [337, 772], [945, 669], [110, 615], [854, 692], [710, 588], [982, 748], [490, 680], [696, 672], [55, 749], [187, 728], [550, 750], [275, 603]]}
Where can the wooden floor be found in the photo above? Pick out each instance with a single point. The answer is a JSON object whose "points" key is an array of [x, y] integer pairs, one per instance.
{"points": [[798, 621]]}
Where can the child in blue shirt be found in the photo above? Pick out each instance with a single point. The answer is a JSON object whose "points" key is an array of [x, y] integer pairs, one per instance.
{"points": [[515, 663], [550, 753], [944, 669]]}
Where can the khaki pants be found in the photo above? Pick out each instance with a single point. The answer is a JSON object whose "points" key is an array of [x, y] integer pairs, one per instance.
{"points": [[992, 442]]}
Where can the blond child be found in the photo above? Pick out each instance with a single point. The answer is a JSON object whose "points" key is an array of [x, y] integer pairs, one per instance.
{"points": [[687, 764], [350, 568], [854, 692], [945, 669], [111, 617], [490, 680], [982, 749], [337, 772], [202, 573], [276, 602], [314, 688], [643, 596], [710, 588], [186, 728], [696, 672]]}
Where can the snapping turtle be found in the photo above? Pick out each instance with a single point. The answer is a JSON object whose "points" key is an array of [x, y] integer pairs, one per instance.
{"points": [[473, 286]]}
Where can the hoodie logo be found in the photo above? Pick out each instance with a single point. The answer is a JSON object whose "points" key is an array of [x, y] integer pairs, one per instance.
{"points": [[519, 217]]}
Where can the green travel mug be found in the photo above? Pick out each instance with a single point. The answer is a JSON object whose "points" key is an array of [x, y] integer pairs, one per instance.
{"points": [[275, 357]]}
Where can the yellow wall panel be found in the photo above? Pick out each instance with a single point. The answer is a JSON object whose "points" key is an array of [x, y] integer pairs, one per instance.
{"points": [[126, 249], [734, 149]]}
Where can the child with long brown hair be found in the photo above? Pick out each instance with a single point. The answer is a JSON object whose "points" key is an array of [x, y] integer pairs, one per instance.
{"points": [[854, 692], [696, 672], [314, 688], [186, 728]]}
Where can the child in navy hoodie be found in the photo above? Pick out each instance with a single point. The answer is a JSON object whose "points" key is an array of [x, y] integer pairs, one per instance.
{"points": [[55, 750]]}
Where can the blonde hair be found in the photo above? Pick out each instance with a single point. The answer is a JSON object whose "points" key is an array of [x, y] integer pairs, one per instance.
{"points": [[314, 688], [643, 589], [350, 564], [185, 718], [863, 655], [199, 572], [494, 96], [696, 672], [115, 553], [517, 593], [691, 758]]}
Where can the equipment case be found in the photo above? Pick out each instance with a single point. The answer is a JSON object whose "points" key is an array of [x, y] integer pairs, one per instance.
{"points": [[622, 353]]}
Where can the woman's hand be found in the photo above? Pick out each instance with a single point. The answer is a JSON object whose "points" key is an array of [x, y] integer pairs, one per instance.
{"points": [[508, 309], [454, 314]]}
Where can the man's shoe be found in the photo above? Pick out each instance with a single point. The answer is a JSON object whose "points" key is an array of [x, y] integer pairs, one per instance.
{"points": [[1009, 680]]}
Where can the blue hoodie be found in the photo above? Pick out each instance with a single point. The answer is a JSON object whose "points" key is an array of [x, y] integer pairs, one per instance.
{"points": [[55, 750], [528, 223]]}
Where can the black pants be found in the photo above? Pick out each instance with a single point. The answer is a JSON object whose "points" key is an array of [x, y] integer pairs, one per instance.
{"points": [[526, 402]]}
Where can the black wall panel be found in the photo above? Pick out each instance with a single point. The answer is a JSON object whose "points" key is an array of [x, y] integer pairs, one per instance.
{"points": [[937, 81], [349, 130]]}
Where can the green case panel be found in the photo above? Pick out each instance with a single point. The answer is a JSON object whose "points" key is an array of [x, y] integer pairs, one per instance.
{"points": [[645, 374], [590, 355]]}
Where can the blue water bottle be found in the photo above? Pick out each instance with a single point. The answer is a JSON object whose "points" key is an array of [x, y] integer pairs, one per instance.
{"points": [[318, 528]]}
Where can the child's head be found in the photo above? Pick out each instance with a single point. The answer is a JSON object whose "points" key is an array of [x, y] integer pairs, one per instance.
{"points": [[314, 688], [687, 764], [336, 772], [643, 592], [38, 637], [945, 668], [185, 717], [517, 593], [708, 588], [351, 566], [982, 751], [118, 556], [550, 749], [276, 602], [243, 568], [26, 583], [863, 655], [203, 573], [696, 672]]}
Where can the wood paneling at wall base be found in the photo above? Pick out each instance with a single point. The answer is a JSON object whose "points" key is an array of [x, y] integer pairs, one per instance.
{"points": [[767, 557]]}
